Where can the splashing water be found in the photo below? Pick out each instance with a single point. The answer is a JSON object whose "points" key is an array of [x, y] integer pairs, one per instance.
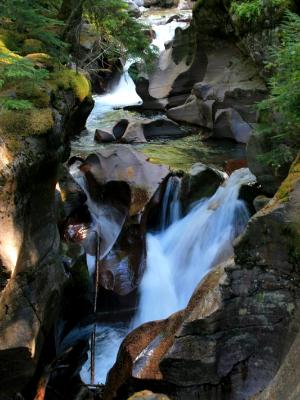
{"points": [[178, 258]]}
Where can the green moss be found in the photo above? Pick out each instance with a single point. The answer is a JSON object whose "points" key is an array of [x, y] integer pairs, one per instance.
{"points": [[38, 95], [67, 79], [26, 123], [289, 183], [32, 46]]}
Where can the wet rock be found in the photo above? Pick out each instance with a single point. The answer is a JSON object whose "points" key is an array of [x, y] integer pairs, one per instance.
{"points": [[123, 164], [102, 136], [260, 202], [230, 125], [120, 128], [156, 338], [139, 130], [121, 269], [200, 182], [134, 133], [69, 193], [163, 128]]}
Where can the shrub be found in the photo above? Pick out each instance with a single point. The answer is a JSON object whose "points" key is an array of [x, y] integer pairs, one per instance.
{"points": [[281, 110]]}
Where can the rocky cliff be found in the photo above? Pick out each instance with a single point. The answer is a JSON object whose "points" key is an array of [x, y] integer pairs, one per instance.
{"points": [[32, 274]]}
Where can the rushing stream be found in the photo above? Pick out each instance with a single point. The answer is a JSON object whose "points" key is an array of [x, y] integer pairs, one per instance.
{"points": [[186, 247]]}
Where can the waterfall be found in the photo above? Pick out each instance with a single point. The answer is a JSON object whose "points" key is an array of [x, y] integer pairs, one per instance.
{"points": [[179, 257], [171, 207], [166, 32]]}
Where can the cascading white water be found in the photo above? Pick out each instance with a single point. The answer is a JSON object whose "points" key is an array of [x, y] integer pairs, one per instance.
{"points": [[171, 206], [165, 32], [178, 258]]}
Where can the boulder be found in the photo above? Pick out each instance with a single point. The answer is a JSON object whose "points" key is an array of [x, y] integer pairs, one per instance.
{"points": [[200, 182], [139, 130], [124, 165], [103, 136], [230, 125], [163, 127], [133, 8], [194, 111], [134, 133]]}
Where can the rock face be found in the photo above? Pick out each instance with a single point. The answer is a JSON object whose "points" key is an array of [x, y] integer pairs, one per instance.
{"points": [[179, 67], [241, 326], [29, 246], [223, 101]]}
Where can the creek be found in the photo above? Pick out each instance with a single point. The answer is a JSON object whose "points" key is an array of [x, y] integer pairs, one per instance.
{"points": [[206, 232]]}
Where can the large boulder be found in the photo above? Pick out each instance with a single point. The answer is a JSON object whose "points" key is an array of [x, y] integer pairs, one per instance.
{"points": [[124, 165], [238, 335]]}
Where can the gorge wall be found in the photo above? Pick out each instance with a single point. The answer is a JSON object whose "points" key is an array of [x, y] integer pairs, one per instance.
{"points": [[32, 272]]}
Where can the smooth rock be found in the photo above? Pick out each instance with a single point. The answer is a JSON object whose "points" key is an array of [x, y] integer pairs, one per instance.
{"points": [[194, 111], [230, 125], [102, 136], [121, 163]]}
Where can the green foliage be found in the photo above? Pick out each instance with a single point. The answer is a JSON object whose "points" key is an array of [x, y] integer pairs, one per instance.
{"points": [[120, 34], [14, 104], [34, 18], [281, 110], [258, 10], [14, 70]]}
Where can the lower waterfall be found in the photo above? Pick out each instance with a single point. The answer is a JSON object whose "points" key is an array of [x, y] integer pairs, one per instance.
{"points": [[179, 257]]}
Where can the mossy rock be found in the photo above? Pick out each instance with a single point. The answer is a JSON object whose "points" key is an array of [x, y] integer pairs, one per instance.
{"points": [[32, 46], [26, 123], [41, 60], [37, 94], [67, 79], [288, 184]]}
